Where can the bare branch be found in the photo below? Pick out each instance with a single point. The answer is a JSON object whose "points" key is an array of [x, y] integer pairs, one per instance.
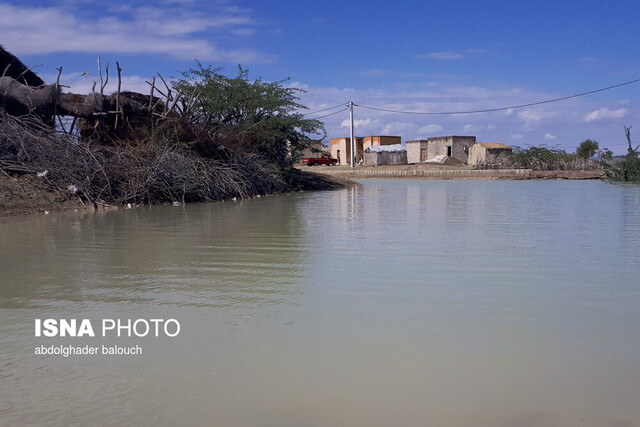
{"points": [[86, 73]]}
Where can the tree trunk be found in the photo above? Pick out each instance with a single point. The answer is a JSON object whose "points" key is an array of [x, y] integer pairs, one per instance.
{"points": [[18, 99]]}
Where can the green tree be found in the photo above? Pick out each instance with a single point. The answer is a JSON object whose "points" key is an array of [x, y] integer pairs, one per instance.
{"points": [[606, 154], [250, 115], [628, 169], [587, 149]]}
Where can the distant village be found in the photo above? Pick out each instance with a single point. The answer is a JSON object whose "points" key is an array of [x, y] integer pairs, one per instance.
{"points": [[388, 150]]}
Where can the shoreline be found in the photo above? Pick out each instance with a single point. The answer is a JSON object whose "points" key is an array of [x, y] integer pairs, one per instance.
{"points": [[28, 194], [461, 172]]}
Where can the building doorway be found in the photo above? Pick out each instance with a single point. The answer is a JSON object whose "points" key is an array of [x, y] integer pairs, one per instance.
{"points": [[449, 151]]}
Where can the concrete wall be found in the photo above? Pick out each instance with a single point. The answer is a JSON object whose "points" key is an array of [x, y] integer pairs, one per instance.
{"points": [[414, 149], [479, 153], [438, 146], [340, 149], [369, 141], [385, 158]]}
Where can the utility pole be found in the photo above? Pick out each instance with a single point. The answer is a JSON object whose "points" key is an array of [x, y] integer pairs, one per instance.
{"points": [[353, 144]]}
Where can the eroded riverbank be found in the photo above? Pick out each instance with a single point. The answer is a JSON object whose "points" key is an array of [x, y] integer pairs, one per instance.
{"points": [[431, 171], [28, 193]]}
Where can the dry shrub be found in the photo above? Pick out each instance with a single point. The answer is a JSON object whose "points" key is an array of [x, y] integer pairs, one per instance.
{"points": [[152, 173], [539, 158]]}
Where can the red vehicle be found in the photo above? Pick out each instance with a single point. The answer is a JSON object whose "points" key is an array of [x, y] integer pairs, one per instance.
{"points": [[324, 159]]}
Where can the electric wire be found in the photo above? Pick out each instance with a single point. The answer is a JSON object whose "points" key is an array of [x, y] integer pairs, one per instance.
{"points": [[325, 109], [331, 114], [489, 110]]}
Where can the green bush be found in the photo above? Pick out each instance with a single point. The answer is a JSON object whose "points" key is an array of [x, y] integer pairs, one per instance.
{"points": [[587, 149], [248, 116], [627, 169]]}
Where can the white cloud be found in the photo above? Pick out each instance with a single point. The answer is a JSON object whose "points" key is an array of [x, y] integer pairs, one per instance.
{"points": [[444, 55], [430, 129], [528, 116], [605, 113], [451, 55], [243, 31], [397, 128], [549, 137], [358, 123], [78, 83], [454, 95], [175, 32], [529, 120]]}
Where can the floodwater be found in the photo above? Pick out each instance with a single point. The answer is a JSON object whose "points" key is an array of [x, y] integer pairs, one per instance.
{"points": [[402, 302]]}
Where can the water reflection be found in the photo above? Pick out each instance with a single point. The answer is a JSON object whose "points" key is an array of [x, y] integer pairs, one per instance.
{"points": [[227, 253], [394, 303]]}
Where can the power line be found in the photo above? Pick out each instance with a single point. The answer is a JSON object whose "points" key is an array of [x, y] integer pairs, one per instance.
{"points": [[489, 110], [331, 114], [325, 109]]}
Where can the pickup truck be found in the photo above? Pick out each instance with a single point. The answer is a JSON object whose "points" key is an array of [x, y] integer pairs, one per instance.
{"points": [[324, 159]]}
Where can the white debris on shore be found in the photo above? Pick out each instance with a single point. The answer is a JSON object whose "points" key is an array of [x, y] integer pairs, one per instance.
{"points": [[437, 159], [389, 148]]}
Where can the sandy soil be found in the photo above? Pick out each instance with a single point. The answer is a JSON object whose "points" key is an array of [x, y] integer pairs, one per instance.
{"points": [[28, 194], [594, 174]]}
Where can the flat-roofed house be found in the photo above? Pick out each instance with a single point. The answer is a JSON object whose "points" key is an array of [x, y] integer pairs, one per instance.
{"points": [[341, 147], [453, 146], [417, 151], [483, 151]]}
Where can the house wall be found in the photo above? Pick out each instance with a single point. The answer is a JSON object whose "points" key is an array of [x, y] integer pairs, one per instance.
{"points": [[414, 149], [338, 148], [369, 141], [344, 146], [385, 158], [460, 145], [477, 154]]}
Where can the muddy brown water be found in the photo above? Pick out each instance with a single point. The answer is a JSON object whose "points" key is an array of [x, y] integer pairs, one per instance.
{"points": [[467, 303]]}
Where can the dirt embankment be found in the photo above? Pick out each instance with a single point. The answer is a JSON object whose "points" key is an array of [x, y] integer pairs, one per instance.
{"points": [[28, 194], [462, 171], [565, 174]]}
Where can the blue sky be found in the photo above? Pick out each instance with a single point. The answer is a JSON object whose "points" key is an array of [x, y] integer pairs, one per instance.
{"points": [[458, 55]]}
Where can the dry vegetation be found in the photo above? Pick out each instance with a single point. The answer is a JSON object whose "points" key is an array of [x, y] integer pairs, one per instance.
{"points": [[101, 174], [206, 137]]}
